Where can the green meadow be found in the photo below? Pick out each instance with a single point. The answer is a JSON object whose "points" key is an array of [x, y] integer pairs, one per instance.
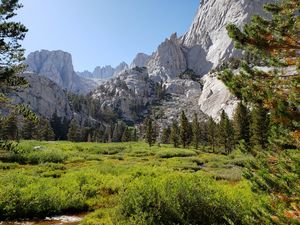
{"points": [[125, 183]]}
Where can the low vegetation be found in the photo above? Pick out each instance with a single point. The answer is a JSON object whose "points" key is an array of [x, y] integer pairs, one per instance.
{"points": [[124, 183]]}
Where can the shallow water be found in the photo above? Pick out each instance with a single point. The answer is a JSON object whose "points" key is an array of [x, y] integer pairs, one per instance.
{"points": [[55, 220]]}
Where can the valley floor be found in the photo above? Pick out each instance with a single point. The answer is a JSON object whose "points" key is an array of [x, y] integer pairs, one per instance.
{"points": [[123, 183]]}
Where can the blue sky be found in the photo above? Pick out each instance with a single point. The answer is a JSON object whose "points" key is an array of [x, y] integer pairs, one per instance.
{"points": [[103, 32]]}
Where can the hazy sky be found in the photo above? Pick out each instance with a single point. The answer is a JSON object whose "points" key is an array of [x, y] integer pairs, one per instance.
{"points": [[103, 32]]}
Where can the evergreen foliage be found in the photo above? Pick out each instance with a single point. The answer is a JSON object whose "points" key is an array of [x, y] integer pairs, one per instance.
{"points": [[150, 132], [126, 137], [196, 131], [272, 93], [241, 120], [166, 134], [226, 133], [184, 130], [74, 132], [11, 52], [175, 137], [45, 130], [212, 133], [29, 130], [259, 127]]}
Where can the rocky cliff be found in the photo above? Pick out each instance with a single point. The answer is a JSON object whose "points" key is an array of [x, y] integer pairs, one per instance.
{"points": [[141, 60], [105, 72], [182, 65], [58, 67], [44, 97]]}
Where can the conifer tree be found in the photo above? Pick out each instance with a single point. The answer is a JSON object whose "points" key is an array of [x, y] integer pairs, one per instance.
{"points": [[74, 132], [212, 133], [126, 137], [134, 135], [259, 127], [28, 130], [11, 51], [275, 41], [175, 137], [203, 133], [118, 132], [150, 132], [107, 136], [226, 133], [166, 133], [9, 130], [241, 124], [196, 131], [46, 131], [184, 130]]}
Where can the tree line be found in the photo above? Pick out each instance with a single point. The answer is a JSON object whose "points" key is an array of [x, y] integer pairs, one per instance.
{"points": [[249, 128], [15, 127]]}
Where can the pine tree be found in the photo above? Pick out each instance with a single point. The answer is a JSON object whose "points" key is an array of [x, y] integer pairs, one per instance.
{"points": [[275, 41], [28, 130], [46, 131], [150, 132], [212, 133], [126, 137], [9, 131], [241, 124], [73, 134], [226, 133], [166, 133], [259, 127], [203, 133], [118, 132], [134, 135], [11, 51], [175, 137], [196, 131], [107, 136], [184, 130]]}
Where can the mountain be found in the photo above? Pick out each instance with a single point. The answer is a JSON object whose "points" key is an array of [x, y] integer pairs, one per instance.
{"points": [[208, 30], [104, 73], [58, 67], [140, 60], [44, 97], [181, 66]]}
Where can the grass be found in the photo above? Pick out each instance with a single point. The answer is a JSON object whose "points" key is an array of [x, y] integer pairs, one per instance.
{"points": [[46, 178]]}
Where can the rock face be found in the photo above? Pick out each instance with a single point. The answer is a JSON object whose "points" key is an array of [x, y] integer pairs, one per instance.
{"points": [[168, 61], [44, 97], [127, 95], [205, 46], [104, 73], [58, 67], [209, 27], [140, 60], [215, 97]]}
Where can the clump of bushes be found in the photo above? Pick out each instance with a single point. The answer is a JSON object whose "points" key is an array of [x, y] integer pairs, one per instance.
{"points": [[185, 199], [38, 156], [170, 153]]}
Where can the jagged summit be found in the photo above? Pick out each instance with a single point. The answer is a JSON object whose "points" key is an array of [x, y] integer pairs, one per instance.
{"points": [[58, 67], [208, 29]]}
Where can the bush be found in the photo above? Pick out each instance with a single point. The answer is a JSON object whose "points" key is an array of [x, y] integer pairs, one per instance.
{"points": [[38, 156], [176, 153], [185, 199]]}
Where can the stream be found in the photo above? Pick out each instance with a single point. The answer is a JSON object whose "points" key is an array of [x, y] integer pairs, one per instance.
{"points": [[55, 220]]}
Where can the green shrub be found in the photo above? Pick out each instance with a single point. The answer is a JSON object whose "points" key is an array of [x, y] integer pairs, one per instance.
{"points": [[170, 153], [185, 199], [8, 166]]}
